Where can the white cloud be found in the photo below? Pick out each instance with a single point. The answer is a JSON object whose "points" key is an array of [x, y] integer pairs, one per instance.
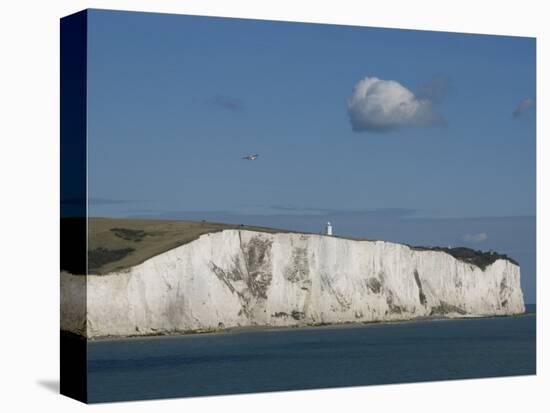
{"points": [[523, 107], [378, 105], [476, 238]]}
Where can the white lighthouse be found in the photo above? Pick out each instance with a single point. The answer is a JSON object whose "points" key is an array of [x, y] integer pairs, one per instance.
{"points": [[328, 229]]}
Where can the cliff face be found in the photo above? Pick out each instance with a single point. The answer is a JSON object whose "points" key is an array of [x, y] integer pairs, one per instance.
{"points": [[237, 278]]}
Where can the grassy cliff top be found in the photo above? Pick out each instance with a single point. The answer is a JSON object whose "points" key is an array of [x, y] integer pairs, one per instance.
{"points": [[481, 259], [117, 244]]}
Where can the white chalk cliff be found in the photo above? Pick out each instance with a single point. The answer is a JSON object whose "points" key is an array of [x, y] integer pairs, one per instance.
{"points": [[237, 278]]}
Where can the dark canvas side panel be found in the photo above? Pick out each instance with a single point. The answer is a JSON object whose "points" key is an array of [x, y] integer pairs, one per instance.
{"points": [[73, 53]]}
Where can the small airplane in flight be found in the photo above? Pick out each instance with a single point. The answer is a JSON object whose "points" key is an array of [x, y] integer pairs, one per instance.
{"points": [[251, 157]]}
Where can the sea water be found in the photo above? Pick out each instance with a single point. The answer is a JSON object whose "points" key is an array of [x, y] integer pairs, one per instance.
{"points": [[308, 358]]}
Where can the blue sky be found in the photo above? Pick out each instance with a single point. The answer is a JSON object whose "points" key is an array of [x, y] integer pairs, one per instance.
{"points": [[174, 102]]}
